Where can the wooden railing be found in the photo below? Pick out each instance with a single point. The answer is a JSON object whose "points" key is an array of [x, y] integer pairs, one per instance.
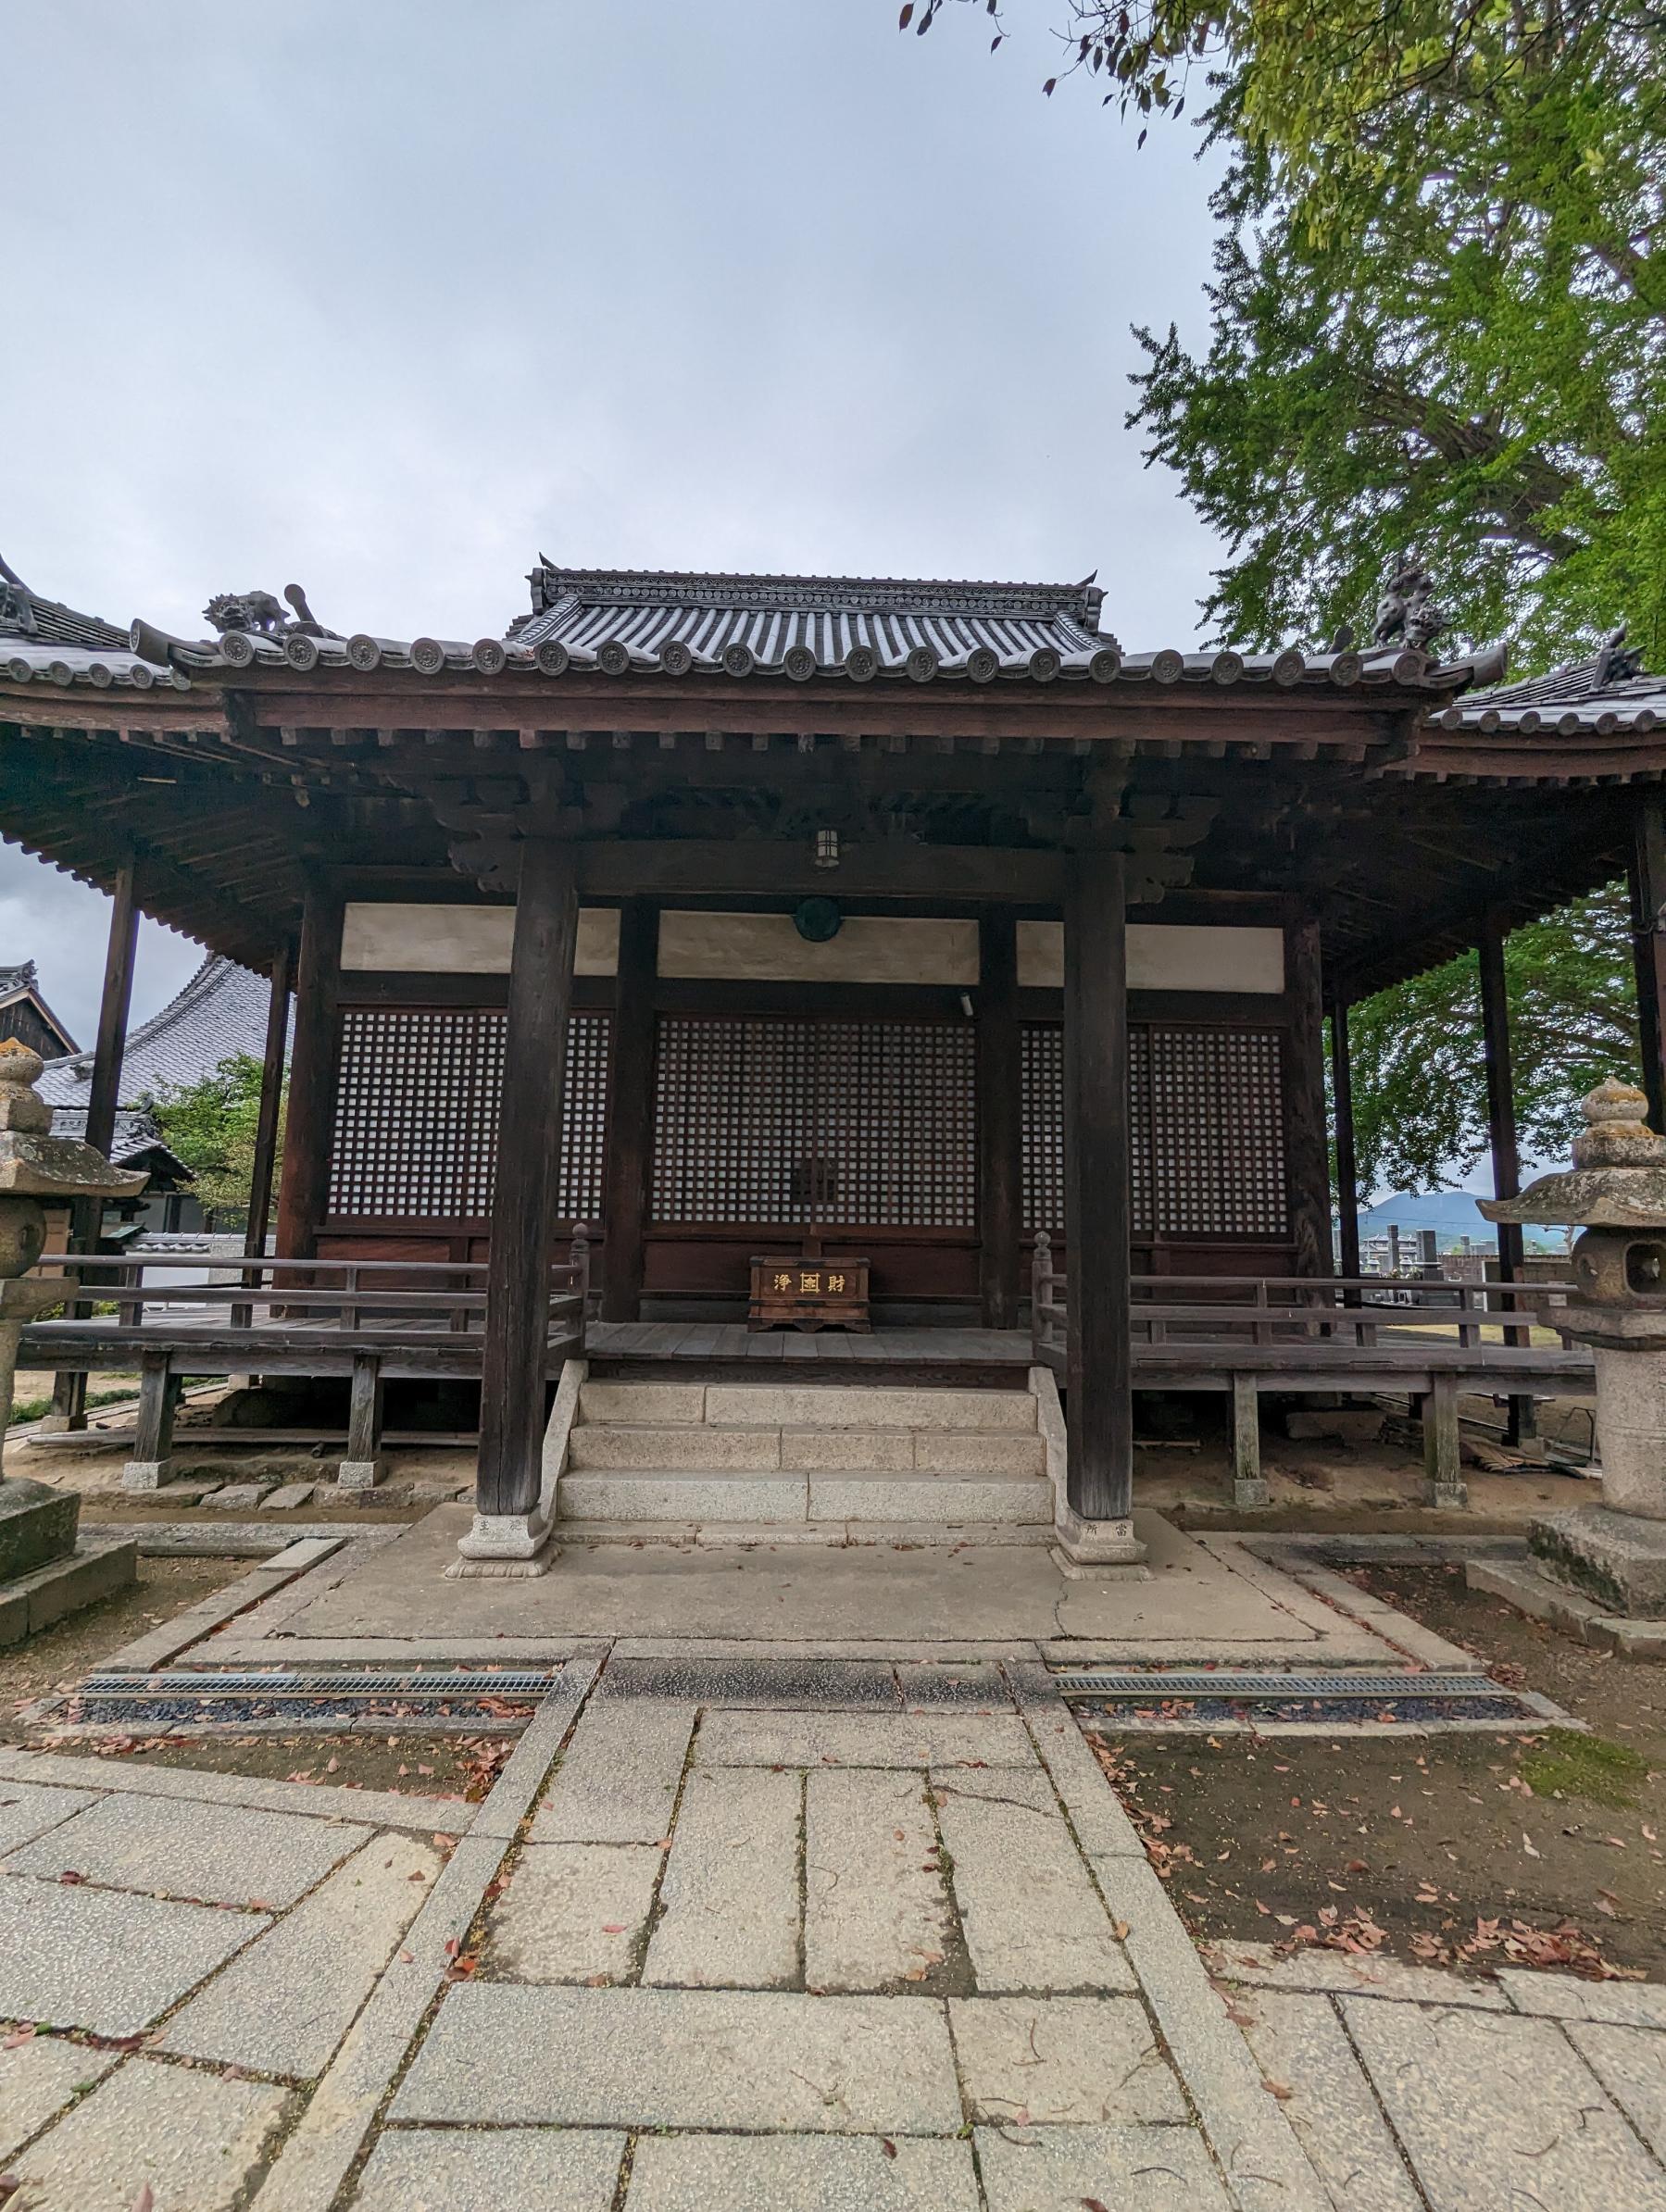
{"points": [[1355, 1312], [323, 1297]]}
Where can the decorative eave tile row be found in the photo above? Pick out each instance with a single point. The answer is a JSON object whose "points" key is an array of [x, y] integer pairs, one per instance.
{"points": [[102, 668]]}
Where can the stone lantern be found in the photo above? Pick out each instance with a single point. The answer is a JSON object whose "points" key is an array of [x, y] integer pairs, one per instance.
{"points": [[1615, 1194], [43, 1573]]}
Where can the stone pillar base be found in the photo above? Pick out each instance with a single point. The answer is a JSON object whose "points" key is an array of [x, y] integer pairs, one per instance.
{"points": [[1092, 1546], [147, 1474], [1618, 1558], [360, 1474], [500, 1544]]}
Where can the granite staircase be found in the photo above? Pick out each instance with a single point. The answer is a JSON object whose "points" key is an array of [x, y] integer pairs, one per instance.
{"points": [[831, 1462]]}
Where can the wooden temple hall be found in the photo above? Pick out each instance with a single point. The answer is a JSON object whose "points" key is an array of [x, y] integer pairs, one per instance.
{"points": [[846, 982]]}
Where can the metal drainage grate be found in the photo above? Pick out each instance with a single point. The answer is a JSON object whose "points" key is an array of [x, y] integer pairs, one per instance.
{"points": [[188, 1701], [1338, 1701], [298, 1681], [1243, 1682]]}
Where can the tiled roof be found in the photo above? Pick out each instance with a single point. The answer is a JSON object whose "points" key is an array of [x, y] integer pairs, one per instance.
{"points": [[137, 1139], [625, 622], [1605, 694], [221, 1011], [19, 977]]}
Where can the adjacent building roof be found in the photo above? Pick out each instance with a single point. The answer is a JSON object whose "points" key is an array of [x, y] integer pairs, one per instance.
{"points": [[221, 1012], [42, 640], [138, 1141], [1608, 693], [19, 982]]}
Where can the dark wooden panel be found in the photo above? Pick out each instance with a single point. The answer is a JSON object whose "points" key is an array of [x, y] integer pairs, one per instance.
{"points": [[1001, 1142]]}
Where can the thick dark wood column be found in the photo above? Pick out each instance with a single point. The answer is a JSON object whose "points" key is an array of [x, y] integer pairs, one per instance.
{"points": [[1501, 1129], [272, 1100], [1098, 1361], [1307, 1145], [1347, 1178], [524, 1190], [1648, 942], [630, 1111], [104, 1095], [1000, 1133], [303, 1191]]}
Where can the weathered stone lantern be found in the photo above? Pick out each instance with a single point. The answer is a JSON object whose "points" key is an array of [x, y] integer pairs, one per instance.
{"points": [[43, 1571], [1615, 1194]]}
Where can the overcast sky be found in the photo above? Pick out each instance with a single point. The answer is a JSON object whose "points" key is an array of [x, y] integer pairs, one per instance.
{"points": [[387, 297]]}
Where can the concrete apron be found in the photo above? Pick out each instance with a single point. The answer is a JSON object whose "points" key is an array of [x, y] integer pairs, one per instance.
{"points": [[1195, 1600]]}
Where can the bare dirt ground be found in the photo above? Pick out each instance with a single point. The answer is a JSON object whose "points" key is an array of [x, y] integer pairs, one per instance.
{"points": [[1469, 1850], [418, 1765]]}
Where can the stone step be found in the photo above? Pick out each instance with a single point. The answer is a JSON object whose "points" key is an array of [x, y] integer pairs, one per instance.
{"points": [[974, 1452], [873, 1496], [716, 1535], [805, 1406]]}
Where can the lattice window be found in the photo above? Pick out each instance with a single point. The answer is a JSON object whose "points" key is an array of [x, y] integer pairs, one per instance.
{"points": [[1043, 1161], [1218, 1132], [1206, 1132], [416, 1116], [771, 1119]]}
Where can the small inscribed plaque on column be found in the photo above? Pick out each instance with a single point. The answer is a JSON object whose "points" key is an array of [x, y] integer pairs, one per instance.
{"points": [[821, 1292]]}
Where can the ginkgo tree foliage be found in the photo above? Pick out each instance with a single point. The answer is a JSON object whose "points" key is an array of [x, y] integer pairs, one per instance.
{"points": [[1437, 324]]}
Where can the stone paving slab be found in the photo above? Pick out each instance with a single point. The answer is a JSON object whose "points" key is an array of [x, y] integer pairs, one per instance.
{"points": [[1560, 1997], [729, 1902], [876, 1911], [1061, 2061], [38, 2080], [863, 1739], [1347, 1973], [575, 1912], [313, 1801], [618, 1782], [1248, 2128], [762, 2060], [27, 1811], [194, 2139], [1301, 2044], [799, 2173], [1631, 2064], [1496, 2111], [1032, 1917], [220, 1855], [285, 2004], [504, 2169], [75, 1957], [1129, 2170]]}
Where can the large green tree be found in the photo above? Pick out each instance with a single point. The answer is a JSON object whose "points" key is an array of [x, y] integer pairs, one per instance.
{"points": [[1419, 1081], [1437, 323], [211, 1125], [1438, 309]]}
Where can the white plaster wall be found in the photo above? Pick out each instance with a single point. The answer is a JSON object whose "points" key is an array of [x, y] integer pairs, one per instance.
{"points": [[868, 949], [441, 940], [1166, 956]]}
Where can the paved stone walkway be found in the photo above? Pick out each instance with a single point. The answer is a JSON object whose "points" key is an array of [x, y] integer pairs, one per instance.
{"points": [[715, 1945]]}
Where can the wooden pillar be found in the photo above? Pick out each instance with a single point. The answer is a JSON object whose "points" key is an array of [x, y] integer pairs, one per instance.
{"points": [[151, 1465], [1443, 1466], [1501, 1132], [1347, 1177], [630, 1148], [303, 1191], [362, 1468], [999, 1120], [524, 1190], [1098, 1360], [1649, 942], [1307, 1147], [272, 1100], [1249, 1485], [104, 1095]]}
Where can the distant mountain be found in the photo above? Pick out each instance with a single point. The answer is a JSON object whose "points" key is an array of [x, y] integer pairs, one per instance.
{"points": [[1451, 1215]]}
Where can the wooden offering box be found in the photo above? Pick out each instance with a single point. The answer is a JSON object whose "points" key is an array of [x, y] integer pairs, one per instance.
{"points": [[808, 1294]]}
